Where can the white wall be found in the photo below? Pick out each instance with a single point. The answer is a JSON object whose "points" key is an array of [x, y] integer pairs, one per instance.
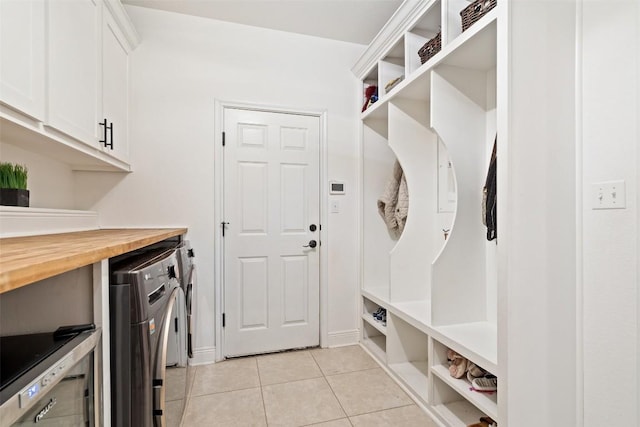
{"points": [[182, 66], [610, 144], [65, 299], [50, 183], [572, 342]]}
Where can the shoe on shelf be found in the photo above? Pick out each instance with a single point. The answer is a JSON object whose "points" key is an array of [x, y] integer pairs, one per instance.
{"points": [[474, 371], [484, 422], [457, 364], [486, 384]]}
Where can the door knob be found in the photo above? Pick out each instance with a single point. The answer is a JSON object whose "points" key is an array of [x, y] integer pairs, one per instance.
{"points": [[312, 244]]}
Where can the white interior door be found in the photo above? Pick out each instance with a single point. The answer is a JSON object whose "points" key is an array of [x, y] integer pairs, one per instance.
{"points": [[272, 211]]}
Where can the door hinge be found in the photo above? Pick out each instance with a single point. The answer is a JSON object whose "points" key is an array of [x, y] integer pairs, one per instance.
{"points": [[224, 320], [176, 324], [224, 139], [223, 224]]}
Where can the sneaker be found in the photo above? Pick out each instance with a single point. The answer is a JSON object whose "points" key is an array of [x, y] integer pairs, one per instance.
{"points": [[485, 384]]}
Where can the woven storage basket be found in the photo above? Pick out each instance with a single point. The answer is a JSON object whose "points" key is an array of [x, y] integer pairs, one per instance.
{"points": [[430, 48], [475, 11]]}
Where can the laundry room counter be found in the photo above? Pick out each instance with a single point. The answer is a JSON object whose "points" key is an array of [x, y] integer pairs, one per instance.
{"points": [[25, 260]]}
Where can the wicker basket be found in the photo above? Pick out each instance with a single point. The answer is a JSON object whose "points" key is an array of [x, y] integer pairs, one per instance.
{"points": [[475, 11], [430, 48]]}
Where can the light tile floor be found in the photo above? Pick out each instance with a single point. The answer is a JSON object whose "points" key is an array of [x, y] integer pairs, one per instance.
{"points": [[336, 387]]}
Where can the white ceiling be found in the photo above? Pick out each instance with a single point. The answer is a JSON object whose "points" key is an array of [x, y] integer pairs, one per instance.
{"points": [[356, 21]]}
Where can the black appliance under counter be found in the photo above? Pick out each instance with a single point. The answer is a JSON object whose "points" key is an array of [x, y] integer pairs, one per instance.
{"points": [[43, 377]]}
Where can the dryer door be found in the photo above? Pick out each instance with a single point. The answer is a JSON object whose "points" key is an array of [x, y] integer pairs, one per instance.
{"points": [[190, 300], [169, 383], [177, 343]]}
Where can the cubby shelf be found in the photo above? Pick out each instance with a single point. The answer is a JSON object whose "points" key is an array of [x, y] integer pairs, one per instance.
{"points": [[373, 322], [477, 341], [379, 295], [377, 111], [459, 413], [416, 313], [439, 288], [474, 49], [377, 346], [414, 375], [485, 402]]}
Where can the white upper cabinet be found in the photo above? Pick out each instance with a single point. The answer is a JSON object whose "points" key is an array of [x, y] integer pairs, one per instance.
{"points": [[65, 80], [22, 66], [115, 88], [74, 68]]}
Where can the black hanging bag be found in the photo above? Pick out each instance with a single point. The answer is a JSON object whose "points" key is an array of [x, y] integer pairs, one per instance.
{"points": [[489, 197]]}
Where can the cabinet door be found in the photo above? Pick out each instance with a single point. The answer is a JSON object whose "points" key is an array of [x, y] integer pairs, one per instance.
{"points": [[22, 65], [115, 86], [74, 68]]}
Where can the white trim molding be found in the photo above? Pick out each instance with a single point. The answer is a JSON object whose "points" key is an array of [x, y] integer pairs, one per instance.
{"points": [[119, 13], [343, 338], [405, 16], [18, 221], [203, 356]]}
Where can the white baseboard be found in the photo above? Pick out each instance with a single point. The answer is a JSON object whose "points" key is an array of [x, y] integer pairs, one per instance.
{"points": [[343, 338], [203, 356], [15, 221]]}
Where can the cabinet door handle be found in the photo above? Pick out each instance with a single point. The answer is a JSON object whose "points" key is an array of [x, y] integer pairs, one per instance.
{"points": [[104, 137], [107, 128], [110, 143]]}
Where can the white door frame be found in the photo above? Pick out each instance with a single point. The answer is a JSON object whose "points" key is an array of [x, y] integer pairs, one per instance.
{"points": [[219, 108]]}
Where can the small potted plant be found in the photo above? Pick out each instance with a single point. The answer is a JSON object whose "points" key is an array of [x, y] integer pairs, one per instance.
{"points": [[13, 185]]}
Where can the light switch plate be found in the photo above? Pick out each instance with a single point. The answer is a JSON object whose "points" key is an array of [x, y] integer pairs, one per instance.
{"points": [[609, 195]]}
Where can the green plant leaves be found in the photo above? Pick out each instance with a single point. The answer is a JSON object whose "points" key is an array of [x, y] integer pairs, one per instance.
{"points": [[13, 176]]}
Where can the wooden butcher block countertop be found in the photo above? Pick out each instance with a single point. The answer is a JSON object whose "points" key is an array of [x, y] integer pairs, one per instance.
{"points": [[24, 260]]}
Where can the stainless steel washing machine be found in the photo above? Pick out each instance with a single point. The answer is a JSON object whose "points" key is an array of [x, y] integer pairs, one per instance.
{"points": [[143, 292]]}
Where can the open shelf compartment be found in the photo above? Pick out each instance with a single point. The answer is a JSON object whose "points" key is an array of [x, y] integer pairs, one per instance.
{"points": [[369, 308], [374, 341], [485, 402], [424, 29], [370, 80], [407, 355], [392, 68]]}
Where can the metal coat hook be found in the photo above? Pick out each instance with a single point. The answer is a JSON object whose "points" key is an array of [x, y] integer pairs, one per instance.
{"points": [[446, 232]]}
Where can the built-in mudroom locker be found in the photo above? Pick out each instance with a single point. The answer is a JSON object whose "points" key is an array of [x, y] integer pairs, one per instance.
{"points": [[429, 256]]}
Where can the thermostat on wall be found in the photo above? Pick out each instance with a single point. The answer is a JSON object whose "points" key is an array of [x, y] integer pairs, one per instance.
{"points": [[336, 187]]}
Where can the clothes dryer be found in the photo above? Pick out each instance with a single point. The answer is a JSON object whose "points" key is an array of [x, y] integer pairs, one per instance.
{"points": [[143, 293], [188, 282]]}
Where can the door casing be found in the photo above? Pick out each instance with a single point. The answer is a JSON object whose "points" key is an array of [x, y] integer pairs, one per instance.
{"points": [[220, 107]]}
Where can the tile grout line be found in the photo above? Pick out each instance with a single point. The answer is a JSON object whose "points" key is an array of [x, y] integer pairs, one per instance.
{"points": [[223, 391], [362, 370], [187, 401], [264, 405], [324, 376]]}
